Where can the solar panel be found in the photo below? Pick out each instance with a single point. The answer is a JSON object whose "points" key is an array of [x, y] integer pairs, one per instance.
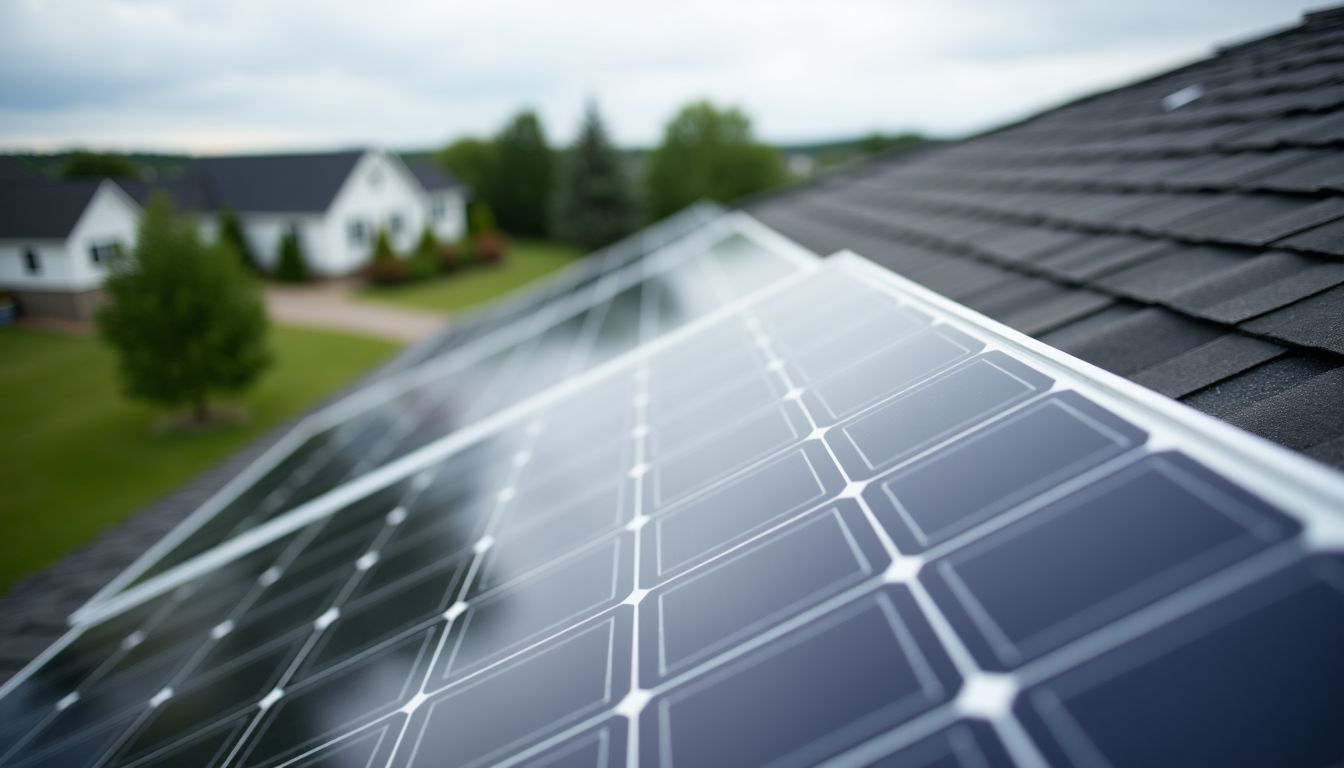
{"points": [[839, 519], [681, 270]]}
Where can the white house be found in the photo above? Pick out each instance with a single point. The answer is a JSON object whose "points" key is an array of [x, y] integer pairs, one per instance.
{"points": [[56, 239], [54, 236], [334, 202]]}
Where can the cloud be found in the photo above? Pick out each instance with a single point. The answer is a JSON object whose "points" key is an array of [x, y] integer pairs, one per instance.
{"points": [[204, 75]]}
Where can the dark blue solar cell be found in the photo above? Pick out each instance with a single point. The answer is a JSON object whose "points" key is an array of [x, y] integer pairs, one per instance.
{"points": [[868, 377], [818, 690], [84, 747], [1253, 679], [509, 617], [695, 529], [919, 418], [1098, 554], [722, 452], [364, 748], [964, 744], [600, 747], [349, 696], [206, 749], [531, 543], [684, 420], [523, 700], [546, 488], [751, 589], [227, 692], [380, 616], [997, 467]]}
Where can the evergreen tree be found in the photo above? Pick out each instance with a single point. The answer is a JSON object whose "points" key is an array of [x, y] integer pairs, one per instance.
{"points": [[593, 202], [710, 153], [425, 258], [290, 266], [184, 317], [519, 187], [231, 234]]}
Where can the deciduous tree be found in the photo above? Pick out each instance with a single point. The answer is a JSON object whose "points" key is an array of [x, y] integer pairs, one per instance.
{"points": [[185, 318]]}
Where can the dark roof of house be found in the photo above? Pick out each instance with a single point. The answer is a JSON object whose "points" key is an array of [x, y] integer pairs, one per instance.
{"points": [[294, 183], [432, 177], [1186, 231], [35, 209], [275, 183]]}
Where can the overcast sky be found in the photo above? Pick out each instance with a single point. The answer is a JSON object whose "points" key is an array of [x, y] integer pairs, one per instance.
{"points": [[228, 75]]}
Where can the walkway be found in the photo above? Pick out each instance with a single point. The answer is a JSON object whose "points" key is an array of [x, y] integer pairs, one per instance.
{"points": [[330, 305]]}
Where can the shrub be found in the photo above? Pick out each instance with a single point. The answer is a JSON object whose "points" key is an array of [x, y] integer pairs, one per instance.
{"points": [[480, 219], [449, 257], [489, 248], [388, 272], [290, 266]]}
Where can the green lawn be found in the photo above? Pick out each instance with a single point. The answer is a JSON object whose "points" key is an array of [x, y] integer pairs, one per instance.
{"points": [[76, 457], [526, 261]]}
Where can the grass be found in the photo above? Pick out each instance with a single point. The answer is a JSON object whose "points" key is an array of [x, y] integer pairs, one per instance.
{"points": [[527, 260], [76, 456]]}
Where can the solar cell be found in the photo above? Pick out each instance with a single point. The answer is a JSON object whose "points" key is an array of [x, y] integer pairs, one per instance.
{"points": [[919, 540]]}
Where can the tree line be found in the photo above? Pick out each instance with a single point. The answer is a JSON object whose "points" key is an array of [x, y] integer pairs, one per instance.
{"points": [[591, 193]]}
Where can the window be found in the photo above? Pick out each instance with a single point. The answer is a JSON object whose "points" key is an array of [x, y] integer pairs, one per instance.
{"points": [[394, 223], [376, 178], [358, 233], [437, 209], [32, 261], [103, 253]]}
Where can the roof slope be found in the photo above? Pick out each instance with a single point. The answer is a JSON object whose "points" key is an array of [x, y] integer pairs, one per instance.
{"points": [[432, 177], [1186, 232], [36, 209], [296, 183]]}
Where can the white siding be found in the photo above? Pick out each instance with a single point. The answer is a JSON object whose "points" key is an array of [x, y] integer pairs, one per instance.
{"points": [[110, 217], [265, 230], [452, 224], [377, 190]]}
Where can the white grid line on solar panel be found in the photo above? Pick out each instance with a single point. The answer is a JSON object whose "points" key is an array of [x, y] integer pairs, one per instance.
{"points": [[603, 290]]}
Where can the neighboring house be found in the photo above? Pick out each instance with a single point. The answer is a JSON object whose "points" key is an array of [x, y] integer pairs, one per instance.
{"points": [[335, 203], [446, 200], [56, 239]]}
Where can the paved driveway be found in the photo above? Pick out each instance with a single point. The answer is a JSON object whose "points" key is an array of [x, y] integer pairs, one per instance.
{"points": [[330, 305]]}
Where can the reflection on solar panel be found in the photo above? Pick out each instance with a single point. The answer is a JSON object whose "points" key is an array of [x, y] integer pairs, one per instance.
{"points": [[837, 517]]}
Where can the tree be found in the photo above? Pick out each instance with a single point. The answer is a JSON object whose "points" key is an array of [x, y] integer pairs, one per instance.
{"points": [[593, 202], [424, 260], [519, 187], [385, 268], [231, 234], [708, 152], [184, 317], [82, 164], [472, 161], [290, 266]]}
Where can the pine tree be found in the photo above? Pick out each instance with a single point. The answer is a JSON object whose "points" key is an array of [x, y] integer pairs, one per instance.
{"points": [[185, 318], [231, 233], [290, 266], [425, 258], [594, 205]]}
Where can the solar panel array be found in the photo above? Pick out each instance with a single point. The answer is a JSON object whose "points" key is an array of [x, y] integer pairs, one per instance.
{"points": [[836, 520], [605, 307]]}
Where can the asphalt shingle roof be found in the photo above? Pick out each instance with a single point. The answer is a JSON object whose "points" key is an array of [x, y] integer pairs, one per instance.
{"points": [[293, 183], [432, 177], [1198, 250], [35, 209]]}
